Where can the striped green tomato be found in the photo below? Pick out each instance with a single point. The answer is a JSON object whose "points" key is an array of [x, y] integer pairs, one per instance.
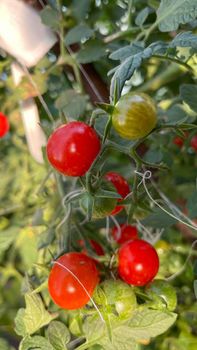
{"points": [[134, 116]]}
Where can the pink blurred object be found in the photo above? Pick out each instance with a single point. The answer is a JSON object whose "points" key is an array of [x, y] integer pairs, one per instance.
{"points": [[22, 34]]}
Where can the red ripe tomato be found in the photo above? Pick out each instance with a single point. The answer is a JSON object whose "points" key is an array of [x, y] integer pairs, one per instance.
{"points": [[127, 232], [178, 141], [4, 125], [121, 186], [193, 143], [64, 288], [72, 148], [95, 245], [138, 262]]}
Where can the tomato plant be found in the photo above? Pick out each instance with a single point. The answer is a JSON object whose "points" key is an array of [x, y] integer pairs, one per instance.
{"points": [[138, 262], [97, 234], [72, 148], [64, 286]]}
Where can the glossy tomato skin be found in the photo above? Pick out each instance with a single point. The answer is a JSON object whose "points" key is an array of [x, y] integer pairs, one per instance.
{"points": [[138, 262], [121, 185], [194, 143], [134, 116], [4, 125], [127, 232], [72, 148], [64, 288]]}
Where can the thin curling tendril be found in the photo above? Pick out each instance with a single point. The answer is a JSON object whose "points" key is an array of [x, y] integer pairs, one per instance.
{"points": [[147, 176]]}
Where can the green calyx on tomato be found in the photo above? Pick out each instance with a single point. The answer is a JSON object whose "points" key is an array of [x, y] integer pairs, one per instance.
{"points": [[163, 295], [99, 204], [116, 297], [134, 116]]}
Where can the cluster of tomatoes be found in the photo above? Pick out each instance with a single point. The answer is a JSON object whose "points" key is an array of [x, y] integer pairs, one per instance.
{"points": [[179, 141], [4, 125], [75, 275], [71, 150]]}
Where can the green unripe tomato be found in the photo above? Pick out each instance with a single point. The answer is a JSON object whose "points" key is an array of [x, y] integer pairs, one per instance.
{"points": [[163, 295], [102, 206], [134, 116], [116, 296]]}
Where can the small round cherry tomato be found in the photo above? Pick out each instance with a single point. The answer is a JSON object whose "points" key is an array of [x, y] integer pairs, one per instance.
{"points": [[118, 295], [121, 185], [193, 143], [4, 125], [64, 288], [138, 262], [127, 233], [95, 246], [134, 116], [72, 148], [178, 141]]}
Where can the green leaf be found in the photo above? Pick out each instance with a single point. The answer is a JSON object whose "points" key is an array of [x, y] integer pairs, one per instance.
{"points": [[78, 33], [34, 317], [150, 323], [107, 194], [91, 52], [185, 39], [159, 219], [121, 340], [153, 156], [188, 93], [171, 14], [142, 16], [37, 343], [58, 335], [128, 66], [7, 237], [80, 8], [126, 51], [4, 345], [71, 104], [50, 17], [26, 243], [192, 205], [94, 329], [176, 115]]}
